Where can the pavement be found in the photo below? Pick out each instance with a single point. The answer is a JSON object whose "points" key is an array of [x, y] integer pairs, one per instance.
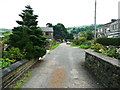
{"points": [[62, 68]]}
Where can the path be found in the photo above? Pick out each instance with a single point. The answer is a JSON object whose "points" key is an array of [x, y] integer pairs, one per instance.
{"points": [[62, 68]]}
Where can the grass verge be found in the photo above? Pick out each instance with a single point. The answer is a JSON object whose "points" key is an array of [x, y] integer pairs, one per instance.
{"points": [[84, 46], [55, 46], [74, 45]]}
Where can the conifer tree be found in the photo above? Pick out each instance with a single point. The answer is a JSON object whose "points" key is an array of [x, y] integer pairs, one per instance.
{"points": [[28, 36]]}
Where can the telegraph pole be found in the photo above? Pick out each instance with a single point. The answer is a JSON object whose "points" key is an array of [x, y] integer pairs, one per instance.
{"points": [[95, 22]]}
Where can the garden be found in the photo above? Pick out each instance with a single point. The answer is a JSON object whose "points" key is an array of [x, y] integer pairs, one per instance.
{"points": [[105, 46]]}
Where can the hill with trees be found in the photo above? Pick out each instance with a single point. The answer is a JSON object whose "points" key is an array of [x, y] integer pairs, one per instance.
{"points": [[76, 30], [4, 30]]}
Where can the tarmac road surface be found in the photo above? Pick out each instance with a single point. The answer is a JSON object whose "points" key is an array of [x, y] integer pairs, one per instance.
{"points": [[62, 68]]}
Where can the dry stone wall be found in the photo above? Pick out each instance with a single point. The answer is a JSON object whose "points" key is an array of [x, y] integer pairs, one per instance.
{"points": [[104, 68]]}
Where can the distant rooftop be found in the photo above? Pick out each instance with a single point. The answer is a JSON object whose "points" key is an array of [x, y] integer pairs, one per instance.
{"points": [[47, 29]]}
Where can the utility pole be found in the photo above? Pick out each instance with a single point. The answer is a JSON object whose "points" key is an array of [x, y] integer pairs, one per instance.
{"points": [[95, 23]]}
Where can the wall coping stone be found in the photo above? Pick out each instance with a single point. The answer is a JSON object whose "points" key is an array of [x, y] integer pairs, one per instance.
{"points": [[111, 60], [12, 67]]}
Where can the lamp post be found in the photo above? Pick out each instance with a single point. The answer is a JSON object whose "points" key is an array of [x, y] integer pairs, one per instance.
{"points": [[95, 22]]}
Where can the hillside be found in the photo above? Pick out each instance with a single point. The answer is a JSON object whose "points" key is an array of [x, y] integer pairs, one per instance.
{"points": [[2, 30], [76, 30]]}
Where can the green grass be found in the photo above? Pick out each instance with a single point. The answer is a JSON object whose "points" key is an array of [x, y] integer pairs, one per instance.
{"points": [[74, 45], [80, 46], [55, 46], [84, 46]]}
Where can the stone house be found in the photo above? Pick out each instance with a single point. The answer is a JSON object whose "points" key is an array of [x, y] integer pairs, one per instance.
{"points": [[111, 29], [48, 32]]}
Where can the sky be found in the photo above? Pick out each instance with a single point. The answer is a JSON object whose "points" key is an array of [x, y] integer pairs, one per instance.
{"points": [[68, 12]]}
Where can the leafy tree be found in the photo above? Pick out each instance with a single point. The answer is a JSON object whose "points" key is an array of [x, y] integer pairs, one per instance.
{"points": [[76, 30], [60, 31], [28, 36], [89, 35], [70, 36], [49, 25]]}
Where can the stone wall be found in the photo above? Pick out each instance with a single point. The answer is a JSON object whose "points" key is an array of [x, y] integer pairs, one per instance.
{"points": [[104, 68], [12, 72]]}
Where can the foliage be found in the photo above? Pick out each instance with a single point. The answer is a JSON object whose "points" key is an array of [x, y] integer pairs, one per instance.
{"points": [[4, 30], [79, 41], [6, 36], [112, 52], [76, 30], [49, 25], [14, 54], [109, 51], [96, 47], [60, 32], [74, 45], [84, 46], [4, 63], [22, 80], [28, 36], [109, 41], [55, 46], [89, 35]]}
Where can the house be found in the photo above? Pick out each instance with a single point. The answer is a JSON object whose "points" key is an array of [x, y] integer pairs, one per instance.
{"points": [[114, 29], [48, 32], [111, 29], [77, 35]]}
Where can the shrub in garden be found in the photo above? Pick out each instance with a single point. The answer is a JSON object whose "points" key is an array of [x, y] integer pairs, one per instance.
{"points": [[14, 54], [4, 63], [112, 52], [84, 46], [79, 41], [97, 47], [109, 41], [10, 56]]}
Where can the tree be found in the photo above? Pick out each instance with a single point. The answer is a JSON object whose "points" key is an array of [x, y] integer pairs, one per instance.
{"points": [[60, 30], [49, 25], [89, 35], [28, 36]]}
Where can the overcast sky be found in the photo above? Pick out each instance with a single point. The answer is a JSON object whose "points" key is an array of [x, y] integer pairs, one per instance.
{"points": [[68, 12]]}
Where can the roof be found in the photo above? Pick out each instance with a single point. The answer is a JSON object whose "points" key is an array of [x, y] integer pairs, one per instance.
{"points": [[47, 29]]}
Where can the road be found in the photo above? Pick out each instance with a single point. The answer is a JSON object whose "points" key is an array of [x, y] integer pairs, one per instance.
{"points": [[62, 68]]}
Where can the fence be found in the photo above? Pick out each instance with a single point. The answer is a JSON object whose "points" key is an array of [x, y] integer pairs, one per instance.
{"points": [[15, 70]]}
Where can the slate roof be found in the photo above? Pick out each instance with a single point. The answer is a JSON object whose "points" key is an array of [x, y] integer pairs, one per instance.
{"points": [[47, 29]]}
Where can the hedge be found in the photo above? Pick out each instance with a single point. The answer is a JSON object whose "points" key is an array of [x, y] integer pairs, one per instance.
{"points": [[109, 41]]}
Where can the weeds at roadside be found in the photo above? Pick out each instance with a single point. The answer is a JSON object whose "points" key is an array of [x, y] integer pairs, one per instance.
{"points": [[22, 80]]}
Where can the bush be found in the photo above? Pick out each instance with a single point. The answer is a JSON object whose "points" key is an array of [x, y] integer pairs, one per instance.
{"points": [[14, 54], [79, 41], [108, 41], [112, 52], [55, 46], [97, 47], [84, 46], [4, 63]]}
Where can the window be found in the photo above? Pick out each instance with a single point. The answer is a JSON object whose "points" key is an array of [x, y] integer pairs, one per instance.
{"points": [[47, 33]]}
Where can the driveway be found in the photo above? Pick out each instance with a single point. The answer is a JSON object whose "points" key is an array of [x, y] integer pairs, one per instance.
{"points": [[62, 68]]}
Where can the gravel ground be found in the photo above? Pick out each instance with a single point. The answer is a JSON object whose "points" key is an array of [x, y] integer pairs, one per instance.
{"points": [[62, 68]]}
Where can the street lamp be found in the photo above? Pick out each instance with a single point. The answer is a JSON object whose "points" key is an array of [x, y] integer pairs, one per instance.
{"points": [[95, 22]]}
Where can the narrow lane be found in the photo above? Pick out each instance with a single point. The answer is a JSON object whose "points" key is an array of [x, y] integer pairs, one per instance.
{"points": [[62, 68]]}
